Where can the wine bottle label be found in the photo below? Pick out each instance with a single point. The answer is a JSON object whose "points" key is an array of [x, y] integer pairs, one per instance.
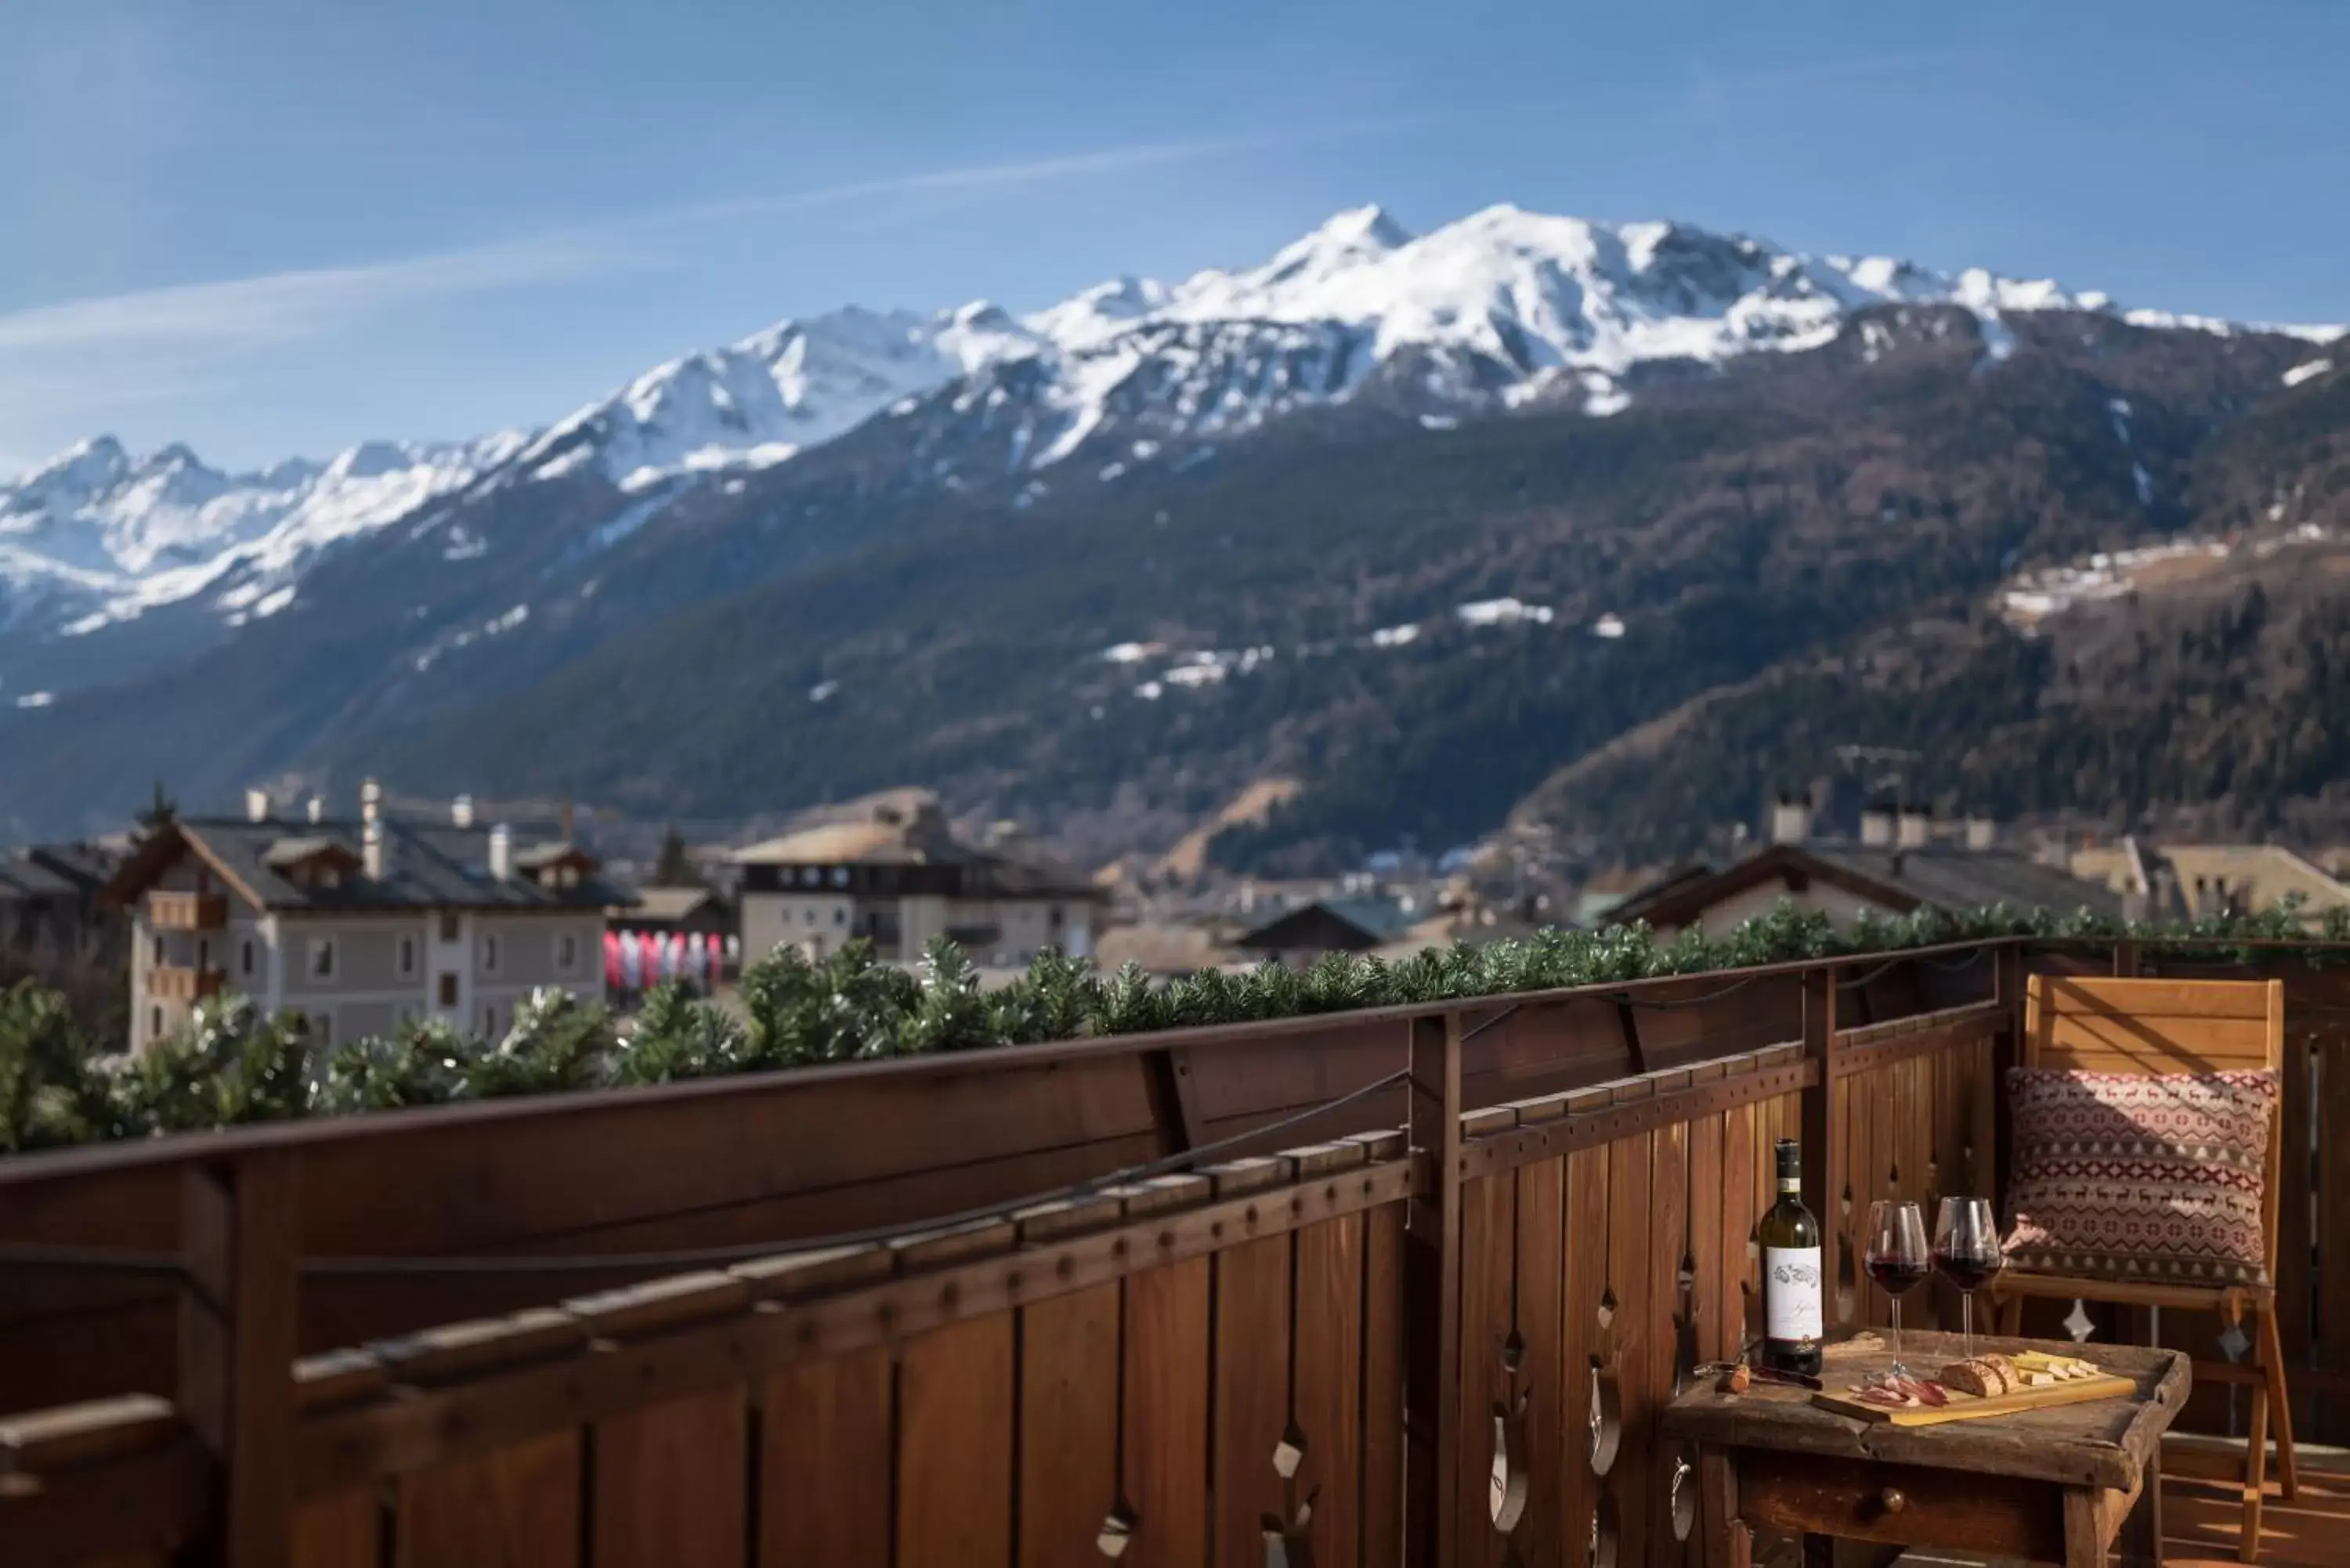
{"points": [[1791, 1292]]}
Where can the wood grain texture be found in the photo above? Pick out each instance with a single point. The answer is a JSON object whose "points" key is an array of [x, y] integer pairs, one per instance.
{"points": [[2000, 1516], [1587, 1342], [1487, 1253], [955, 1443], [1382, 1532], [1330, 1382], [516, 1508], [341, 1531], [669, 1485], [1539, 1538], [2333, 1198], [1631, 1330], [2296, 1204], [825, 1447], [1166, 1352], [1068, 1426], [1251, 1394], [1668, 1244], [2104, 1444]]}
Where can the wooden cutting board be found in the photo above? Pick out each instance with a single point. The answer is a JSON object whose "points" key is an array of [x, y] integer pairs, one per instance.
{"points": [[1971, 1407]]}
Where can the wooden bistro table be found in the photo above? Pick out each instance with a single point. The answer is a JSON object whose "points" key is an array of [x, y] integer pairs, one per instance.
{"points": [[2074, 1484]]}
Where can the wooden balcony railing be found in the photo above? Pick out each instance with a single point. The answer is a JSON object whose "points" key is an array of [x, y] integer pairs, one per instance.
{"points": [[168, 911], [981, 1310], [182, 983]]}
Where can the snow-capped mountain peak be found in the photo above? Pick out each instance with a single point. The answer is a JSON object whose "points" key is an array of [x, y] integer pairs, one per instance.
{"points": [[1497, 309], [97, 536]]}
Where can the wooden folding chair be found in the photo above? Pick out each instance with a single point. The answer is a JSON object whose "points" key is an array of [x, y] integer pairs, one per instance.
{"points": [[2162, 1026]]}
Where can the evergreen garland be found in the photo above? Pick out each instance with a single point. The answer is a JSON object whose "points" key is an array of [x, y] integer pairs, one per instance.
{"points": [[232, 1066]]}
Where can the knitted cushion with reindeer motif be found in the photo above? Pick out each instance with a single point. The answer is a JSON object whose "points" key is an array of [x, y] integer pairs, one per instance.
{"points": [[2143, 1178]]}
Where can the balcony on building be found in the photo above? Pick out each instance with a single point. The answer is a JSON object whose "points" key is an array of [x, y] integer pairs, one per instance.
{"points": [[182, 983], [183, 912]]}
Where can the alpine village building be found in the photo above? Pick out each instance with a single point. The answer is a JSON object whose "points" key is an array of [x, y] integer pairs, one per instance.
{"points": [[890, 869], [359, 926]]}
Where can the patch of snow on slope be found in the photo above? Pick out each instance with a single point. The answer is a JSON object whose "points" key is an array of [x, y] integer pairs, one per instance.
{"points": [[2308, 370], [1504, 612]]}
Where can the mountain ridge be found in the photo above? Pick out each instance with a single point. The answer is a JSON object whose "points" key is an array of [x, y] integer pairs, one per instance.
{"points": [[1503, 492], [1502, 307]]}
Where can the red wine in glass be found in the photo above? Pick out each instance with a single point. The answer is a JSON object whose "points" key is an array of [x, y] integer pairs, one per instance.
{"points": [[1967, 1251], [1896, 1278], [1894, 1254]]}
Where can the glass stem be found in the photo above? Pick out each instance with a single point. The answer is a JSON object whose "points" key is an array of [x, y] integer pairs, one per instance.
{"points": [[1967, 1320], [1897, 1326]]}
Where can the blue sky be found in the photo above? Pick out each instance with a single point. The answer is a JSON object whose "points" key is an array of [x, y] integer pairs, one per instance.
{"points": [[267, 228]]}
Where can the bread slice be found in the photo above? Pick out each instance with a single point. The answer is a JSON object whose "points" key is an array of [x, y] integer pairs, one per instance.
{"points": [[1978, 1377]]}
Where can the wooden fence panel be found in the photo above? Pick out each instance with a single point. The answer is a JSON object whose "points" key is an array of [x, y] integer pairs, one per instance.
{"points": [[1488, 1266], [1165, 1418], [1383, 1384], [515, 1507], [1542, 1378], [2296, 1280], [670, 1484], [1251, 1394], [345, 1530], [1668, 1252], [1587, 1311], [1068, 1426], [2333, 1214], [1327, 1362], [824, 1445], [1630, 1326], [955, 1443]]}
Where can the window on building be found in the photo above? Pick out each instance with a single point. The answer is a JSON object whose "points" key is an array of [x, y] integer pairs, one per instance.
{"points": [[489, 952], [449, 927], [840, 876], [322, 1029], [448, 989], [155, 1023], [204, 952], [840, 914], [807, 916], [490, 1020], [566, 952], [244, 957], [407, 957], [322, 958], [1052, 917], [158, 950]]}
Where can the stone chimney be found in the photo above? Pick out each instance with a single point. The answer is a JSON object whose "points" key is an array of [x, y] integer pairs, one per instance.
{"points": [[1876, 826], [317, 810], [256, 806], [1791, 818], [1983, 832], [375, 849], [1917, 827], [502, 853], [460, 812], [370, 801]]}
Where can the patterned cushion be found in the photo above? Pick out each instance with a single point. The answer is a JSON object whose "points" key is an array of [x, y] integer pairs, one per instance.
{"points": [[2154, 1179]]}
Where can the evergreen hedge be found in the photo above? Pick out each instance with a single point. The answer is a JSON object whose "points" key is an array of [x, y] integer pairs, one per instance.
{"points": [[232, 1066]]}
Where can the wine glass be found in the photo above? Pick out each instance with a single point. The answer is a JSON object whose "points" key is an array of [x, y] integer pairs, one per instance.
{"points": [[1967, 1251], [1894, 1252]]}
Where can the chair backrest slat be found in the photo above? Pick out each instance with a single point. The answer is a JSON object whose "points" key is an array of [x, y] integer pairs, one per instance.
{"points": [[2157, 1026]]}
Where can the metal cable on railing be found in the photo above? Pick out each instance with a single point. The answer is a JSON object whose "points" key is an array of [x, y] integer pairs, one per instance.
{"points": [[101, 1260]]}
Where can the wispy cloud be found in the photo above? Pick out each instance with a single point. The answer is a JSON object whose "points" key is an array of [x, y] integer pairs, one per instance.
{"points": [[281, 303], [284, 305]]}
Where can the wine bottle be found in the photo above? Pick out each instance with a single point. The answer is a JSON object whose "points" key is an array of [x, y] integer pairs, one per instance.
{"points": [[1790, 1273]]}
